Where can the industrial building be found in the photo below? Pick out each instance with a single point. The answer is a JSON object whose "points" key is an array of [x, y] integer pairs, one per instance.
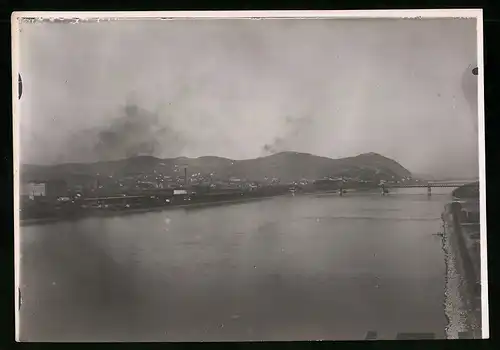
{"points": [[51, 189]]}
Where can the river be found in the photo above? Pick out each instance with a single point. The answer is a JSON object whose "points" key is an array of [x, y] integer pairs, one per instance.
{"points": [[288, 268]]}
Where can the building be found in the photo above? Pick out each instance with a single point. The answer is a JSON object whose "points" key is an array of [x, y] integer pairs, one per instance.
{"points": [[180, 192], [44, 189], [33, 189]]}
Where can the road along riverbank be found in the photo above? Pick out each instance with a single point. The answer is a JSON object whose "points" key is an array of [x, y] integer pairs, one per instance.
{"points": [[463, 282]]}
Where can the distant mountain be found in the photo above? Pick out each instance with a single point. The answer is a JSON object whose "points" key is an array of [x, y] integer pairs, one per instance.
{"points": [[287, 166]]}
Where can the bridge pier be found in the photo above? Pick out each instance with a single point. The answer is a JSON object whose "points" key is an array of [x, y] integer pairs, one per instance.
{"points": [[429, 191]]}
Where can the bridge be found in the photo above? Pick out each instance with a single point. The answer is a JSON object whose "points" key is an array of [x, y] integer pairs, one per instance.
{"points": [[444, 184], [385, 186]]}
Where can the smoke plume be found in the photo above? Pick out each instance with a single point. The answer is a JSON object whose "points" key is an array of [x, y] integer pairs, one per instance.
{"points": [[134, 132], [293, 130]]}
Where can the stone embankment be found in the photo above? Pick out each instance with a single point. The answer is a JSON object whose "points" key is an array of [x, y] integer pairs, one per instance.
{"points": [[463, 231]]}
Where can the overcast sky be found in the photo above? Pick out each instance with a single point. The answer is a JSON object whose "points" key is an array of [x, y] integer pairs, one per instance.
{"points": [[246, 88]]}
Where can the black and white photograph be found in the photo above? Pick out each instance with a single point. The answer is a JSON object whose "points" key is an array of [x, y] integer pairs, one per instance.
{"points": [[249, 176]]}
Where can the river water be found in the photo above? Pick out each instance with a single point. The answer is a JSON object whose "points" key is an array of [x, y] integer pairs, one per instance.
{"points": [[287, 268]]}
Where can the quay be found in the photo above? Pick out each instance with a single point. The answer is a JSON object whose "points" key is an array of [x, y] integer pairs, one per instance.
{"points": [[462, 220]]}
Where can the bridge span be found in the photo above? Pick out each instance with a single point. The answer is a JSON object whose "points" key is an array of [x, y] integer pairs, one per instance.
{"points": [[385, 186], [445, 184]]}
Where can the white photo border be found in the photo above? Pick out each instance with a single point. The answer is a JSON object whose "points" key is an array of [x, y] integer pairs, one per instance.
{"points": [[77, 16]]}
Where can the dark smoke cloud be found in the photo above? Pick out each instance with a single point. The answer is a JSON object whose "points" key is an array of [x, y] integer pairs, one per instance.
{"points": [[134, 132], [294, 129], [275, 147]]}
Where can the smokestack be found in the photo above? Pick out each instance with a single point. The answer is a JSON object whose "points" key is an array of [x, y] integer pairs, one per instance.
{"points": [[185, 177]]}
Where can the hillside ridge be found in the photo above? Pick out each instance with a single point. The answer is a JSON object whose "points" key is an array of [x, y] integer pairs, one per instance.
{"points": [[286, 166]]}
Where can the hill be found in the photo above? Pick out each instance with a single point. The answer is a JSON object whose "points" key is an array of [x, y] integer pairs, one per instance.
{"points": [[287, 166]]}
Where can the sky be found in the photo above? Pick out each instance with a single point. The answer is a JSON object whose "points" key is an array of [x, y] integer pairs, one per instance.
{"points": [[241, 88]]}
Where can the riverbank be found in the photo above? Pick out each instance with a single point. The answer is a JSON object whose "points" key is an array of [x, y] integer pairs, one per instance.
{"points": [[132, 211], [463, 273], [194, 204]]}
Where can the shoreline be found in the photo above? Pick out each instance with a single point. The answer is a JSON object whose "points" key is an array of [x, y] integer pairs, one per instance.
{"points": [[192, 205], [132, 211]]}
